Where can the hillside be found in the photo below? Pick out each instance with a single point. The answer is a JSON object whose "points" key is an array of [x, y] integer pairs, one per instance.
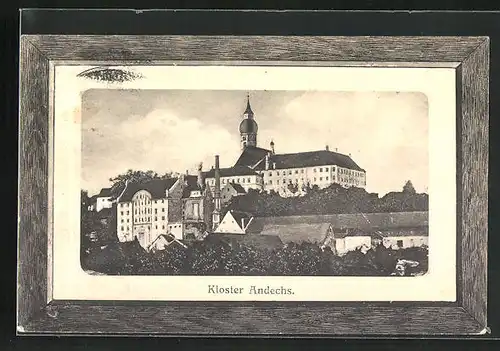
{"points": [[334, 199]]}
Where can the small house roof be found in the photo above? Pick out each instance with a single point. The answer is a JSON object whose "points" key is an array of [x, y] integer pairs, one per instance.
{"points": [[237, 187], [231, 172], [263, 242], [105, 192]]}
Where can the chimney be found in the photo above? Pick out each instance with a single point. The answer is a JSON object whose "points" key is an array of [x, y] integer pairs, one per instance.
{"points": [[274, 165], [217, 205], [272, 146], [187, 172], [267, 161], [327, 148], [200, 175], [336, 150]]}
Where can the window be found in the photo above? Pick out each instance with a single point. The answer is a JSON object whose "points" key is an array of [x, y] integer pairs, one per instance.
{"points": [[320, 178], [128, 220], [163, 209], [128, 212], [156, 218], [301, 171], [156, 210], [277, 173], [128, 228], [321, 169], [122, 220], [270, 182], [122, 228], [296, 171], [162, 201], [156, 226], [400, 243], [162, 227], [196, 209], [248, 180], [314, 169], [284, 181], [270, 174], [314, 179], [326, 169], [326, 178], [162, 218]]}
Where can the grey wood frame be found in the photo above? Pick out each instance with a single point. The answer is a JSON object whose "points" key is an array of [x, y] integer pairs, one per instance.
{"points": [[38, 313]]}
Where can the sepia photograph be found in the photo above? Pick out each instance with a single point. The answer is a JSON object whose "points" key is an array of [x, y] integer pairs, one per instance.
{"points": [[253, 182], [184, 182]]}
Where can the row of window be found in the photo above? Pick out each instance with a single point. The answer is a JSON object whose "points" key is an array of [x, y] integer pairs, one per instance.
{"points": [[127, 204], [236, 180], [350, 172], [156, 227], [143, 211], [290, 172], [270, 182], [145, 219]]}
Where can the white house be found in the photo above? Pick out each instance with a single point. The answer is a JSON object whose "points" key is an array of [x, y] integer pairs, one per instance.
{"points": [[231, 190], [163, 241], [403, 238], [234, 222], [341, 241]]}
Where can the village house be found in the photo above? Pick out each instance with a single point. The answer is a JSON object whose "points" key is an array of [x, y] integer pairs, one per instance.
{"points": [[166, 240], [341, 232], [177, 206], [234, 222], [231, 190], [244, 176], [101, 201]]}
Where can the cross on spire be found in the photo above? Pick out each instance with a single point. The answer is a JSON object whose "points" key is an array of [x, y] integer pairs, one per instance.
{"points": [[248, 110]]}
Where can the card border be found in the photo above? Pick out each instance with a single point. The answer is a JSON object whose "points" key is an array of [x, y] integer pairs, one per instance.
{"points": [[39, 314]]}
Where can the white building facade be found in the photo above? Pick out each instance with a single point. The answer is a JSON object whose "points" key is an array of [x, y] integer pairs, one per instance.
{"points": [[287, 174]]}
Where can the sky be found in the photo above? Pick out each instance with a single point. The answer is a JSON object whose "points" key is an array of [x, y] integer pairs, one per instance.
{"points": [[386, 133]]}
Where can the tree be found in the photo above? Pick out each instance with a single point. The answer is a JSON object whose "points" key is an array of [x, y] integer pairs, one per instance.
{"points": [[408, 188]]}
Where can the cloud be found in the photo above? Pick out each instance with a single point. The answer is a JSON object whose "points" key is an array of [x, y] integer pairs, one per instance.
{"points": [[386, 133], [160, 141]]}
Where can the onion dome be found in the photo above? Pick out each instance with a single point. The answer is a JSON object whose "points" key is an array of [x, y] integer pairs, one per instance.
{"points": [[248, 126]]}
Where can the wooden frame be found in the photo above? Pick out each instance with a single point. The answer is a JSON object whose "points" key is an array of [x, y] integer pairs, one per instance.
{"points": [[39, 313]]}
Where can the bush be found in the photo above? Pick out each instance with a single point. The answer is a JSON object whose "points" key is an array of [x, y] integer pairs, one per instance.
{"points": [[219, 258]]}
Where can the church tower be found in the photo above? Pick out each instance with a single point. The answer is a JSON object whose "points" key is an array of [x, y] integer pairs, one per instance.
{"points": [[248, 128]]}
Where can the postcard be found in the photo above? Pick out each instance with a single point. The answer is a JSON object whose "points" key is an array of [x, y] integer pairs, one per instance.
{"points": [[254, 183]]}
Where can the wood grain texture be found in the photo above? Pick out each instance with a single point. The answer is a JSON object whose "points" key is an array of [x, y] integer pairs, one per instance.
{"points": [[255, 48], [233, 319], [33, 181], [91, 317], [475, 125]]}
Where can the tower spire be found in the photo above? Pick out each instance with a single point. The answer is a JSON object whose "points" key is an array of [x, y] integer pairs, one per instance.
{"points": [[248, 111], [248, 127]]}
